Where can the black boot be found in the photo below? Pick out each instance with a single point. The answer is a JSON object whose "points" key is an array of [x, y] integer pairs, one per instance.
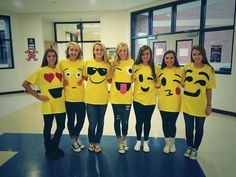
{"points": [[57, 149], [50, 152]]}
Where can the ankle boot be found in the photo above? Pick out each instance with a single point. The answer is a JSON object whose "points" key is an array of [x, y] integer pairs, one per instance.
{"points": [[58, 151], [172, 145], [49, 151], [167, 146]]}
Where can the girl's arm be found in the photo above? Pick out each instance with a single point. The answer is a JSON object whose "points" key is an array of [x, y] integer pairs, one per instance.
{"points": [[29, 89], [209, 97]]}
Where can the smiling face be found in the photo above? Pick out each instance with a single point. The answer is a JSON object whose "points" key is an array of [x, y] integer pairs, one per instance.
{"points": [[169, 60], [73, 52], [146, 56], [51, 58], [98, 52], [197, 57], [97, 75]]}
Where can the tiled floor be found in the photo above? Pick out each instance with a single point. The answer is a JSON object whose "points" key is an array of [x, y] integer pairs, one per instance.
{"points": [[20, 118]]}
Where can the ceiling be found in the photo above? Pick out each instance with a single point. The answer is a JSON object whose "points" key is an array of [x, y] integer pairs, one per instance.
{"points": [[43, 6]]}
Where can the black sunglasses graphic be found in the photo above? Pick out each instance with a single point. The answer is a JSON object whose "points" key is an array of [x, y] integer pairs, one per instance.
{"points": [[101, 71]]}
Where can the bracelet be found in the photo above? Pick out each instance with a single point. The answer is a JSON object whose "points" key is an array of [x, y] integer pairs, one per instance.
{"points": [[209, 105]]}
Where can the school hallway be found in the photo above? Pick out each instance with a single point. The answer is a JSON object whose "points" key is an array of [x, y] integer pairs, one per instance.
{"points": [[22, 150]]}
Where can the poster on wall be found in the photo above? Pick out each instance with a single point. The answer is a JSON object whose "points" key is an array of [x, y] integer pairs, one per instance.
{"points": [[216, 51], [31, 52], [111, 52]]}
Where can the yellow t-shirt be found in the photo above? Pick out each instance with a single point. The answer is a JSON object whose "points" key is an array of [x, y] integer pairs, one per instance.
{"points": [[197, 80], [97, 73], [72, 72], [50, 82], [121, 86], [145, 91], [169, 84]]}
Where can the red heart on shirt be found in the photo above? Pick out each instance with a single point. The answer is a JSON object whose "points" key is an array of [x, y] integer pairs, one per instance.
{"points": [[59, 76], [49, 77]]}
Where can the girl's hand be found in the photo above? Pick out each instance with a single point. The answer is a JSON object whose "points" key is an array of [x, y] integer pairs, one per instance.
{"points": [[43, 98], [208, 110]]}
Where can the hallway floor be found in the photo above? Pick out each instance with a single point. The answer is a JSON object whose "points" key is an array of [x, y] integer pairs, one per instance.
{"points": [[22, 152]]}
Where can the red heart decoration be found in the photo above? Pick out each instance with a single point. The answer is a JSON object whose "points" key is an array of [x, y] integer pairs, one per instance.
{"points": [[59, 76], [49, 77]]}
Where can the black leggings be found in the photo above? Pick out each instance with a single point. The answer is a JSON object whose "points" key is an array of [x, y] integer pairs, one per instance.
{"points": [[143, 116], [75, 110], [169, 123], [121, 116], [48, 120]]}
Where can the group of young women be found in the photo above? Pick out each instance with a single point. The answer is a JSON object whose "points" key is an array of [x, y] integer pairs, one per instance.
{"points": [[142, 83]]}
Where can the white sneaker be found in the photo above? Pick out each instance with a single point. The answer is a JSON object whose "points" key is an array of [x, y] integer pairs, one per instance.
{"points": [[172, 145], [137, 146], [75, 147], [80, 144], [126, 147], [146, 146], [193, 154], [188, 152], [121, 148]]}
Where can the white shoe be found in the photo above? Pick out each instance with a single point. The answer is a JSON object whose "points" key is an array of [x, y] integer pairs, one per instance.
{"points": [[172, 145], [75, 147], [146, 146], [80, 144], [193, 154], [137, 146], [188, 152], [121, 148], [166, 149], [126, 147]]}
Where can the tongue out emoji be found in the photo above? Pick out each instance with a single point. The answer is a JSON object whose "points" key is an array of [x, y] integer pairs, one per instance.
{"points": [[123, 88]]}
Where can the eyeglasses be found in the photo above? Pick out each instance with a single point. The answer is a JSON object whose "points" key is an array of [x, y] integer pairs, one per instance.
{"points": [[101, 71]]}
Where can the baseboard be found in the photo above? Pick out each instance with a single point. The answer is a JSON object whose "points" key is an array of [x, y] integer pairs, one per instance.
{"points": [[224, 112], [14, 92]]}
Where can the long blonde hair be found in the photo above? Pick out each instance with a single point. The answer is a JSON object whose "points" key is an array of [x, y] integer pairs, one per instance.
{"points": [[104, 58]]}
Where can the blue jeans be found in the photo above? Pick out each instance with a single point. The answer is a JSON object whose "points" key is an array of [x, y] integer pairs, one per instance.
{"points": [[96, 114], [121, 116], [194, 141], [75, 110]]}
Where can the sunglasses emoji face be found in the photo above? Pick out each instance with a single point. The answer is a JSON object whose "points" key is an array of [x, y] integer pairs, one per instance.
{"points": [[97, 75]]}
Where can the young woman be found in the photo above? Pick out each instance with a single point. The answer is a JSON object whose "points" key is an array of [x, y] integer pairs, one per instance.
{"points": [[49, 79], [97, 72], [196, 104], [145, 94], [169, 97], [72, 69], [121, 93]]}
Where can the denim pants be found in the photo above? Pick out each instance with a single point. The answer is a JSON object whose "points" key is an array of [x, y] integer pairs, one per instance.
{"points": [[121, 117], [75, 111], [191, 123], [96, 114]]}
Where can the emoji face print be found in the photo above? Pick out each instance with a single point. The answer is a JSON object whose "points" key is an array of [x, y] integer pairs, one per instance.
{"points": [[52, 78], [194, 84], [97, 75], [123, 79], [170, 83], [73, 77]]}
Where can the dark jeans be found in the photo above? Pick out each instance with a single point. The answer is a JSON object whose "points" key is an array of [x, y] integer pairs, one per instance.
{"points": [[96, 114], [121, 116], [194, 141], [75, 110], [169, 123], [48, 120], [143, 116]]}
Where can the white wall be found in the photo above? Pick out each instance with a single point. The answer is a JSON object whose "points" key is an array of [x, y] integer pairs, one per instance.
{"points": [[115, 27]]}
